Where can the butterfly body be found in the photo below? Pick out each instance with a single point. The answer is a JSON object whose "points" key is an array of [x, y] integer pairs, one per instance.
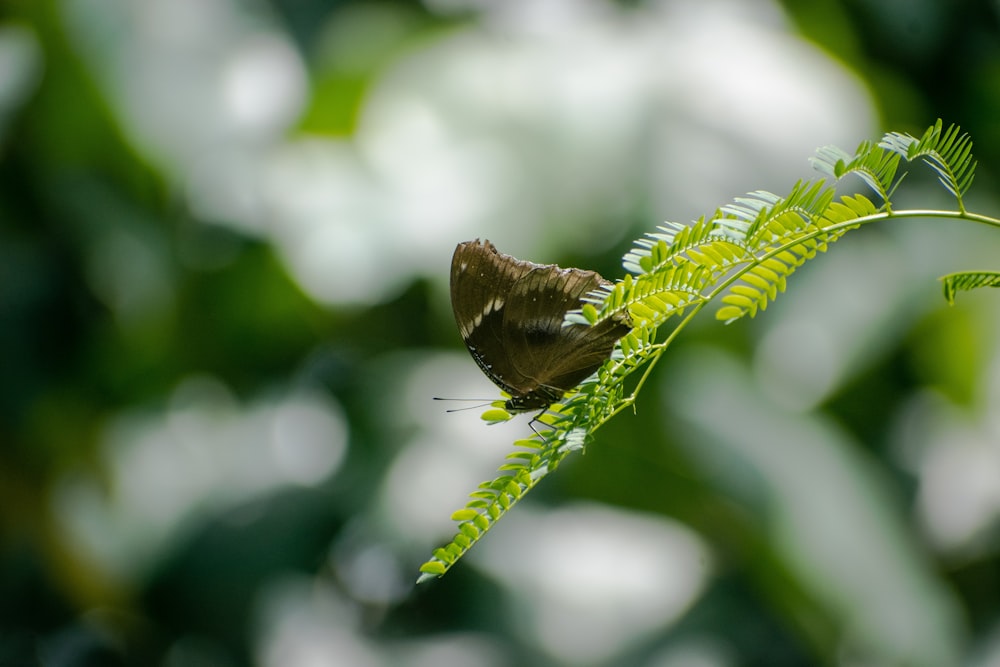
{"points": [[510, 315]]}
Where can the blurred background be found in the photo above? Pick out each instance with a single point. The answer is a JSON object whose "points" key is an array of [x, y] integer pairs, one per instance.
{"points": [[225, 231]]}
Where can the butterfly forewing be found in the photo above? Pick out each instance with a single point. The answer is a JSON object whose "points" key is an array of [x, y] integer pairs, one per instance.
{"points": [[481, 279], [480, 282]]}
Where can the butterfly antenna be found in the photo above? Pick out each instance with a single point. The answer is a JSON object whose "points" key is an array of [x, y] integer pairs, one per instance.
{"points": [[480, 403]]}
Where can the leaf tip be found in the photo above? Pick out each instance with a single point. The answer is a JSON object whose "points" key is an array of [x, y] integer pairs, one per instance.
{"points": [[432, 569], [496, 416]]}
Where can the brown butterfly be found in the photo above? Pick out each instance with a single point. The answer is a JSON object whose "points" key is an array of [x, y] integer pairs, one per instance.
{"points": [[510, 315]]}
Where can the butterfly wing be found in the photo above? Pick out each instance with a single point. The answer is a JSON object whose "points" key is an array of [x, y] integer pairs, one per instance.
{"points": [[554, 357], [481, 280]]}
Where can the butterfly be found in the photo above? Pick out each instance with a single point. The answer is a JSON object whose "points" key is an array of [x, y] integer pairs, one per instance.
{"points": [[510, 315]]}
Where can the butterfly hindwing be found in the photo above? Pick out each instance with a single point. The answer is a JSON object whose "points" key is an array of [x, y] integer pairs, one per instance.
{"points": [[533, 322]]}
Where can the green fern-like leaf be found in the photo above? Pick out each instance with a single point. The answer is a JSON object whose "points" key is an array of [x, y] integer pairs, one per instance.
{"points": [[532, 459], [652, 298], [847, 209], [673, 240], [947, 151], [487, 505], [966, 281], [782, 238], [874, 164], [787, 217]]}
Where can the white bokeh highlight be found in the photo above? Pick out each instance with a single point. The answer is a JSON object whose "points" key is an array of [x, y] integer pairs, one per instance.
{"points": [[206, 453], [591, 580], [545, 121], [305, 623]]}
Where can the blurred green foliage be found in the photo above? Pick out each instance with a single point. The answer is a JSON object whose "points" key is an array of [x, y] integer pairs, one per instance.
{"points": [[118, 295]]}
